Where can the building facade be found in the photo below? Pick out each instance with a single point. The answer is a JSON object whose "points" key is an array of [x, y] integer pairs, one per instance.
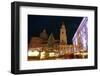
{"points": [[80, 39]]}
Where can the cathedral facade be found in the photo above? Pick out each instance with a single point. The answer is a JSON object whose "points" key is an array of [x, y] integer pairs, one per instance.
{"points": [[44, 40]]}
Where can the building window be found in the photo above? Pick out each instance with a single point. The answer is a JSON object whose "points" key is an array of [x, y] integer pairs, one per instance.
{"points": [[62, 32]]}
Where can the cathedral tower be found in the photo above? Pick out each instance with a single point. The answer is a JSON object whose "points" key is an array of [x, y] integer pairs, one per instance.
{"points": [[63, 36]]}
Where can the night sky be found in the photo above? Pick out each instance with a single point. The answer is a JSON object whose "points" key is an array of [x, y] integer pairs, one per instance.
{"points": [[52, 24]]}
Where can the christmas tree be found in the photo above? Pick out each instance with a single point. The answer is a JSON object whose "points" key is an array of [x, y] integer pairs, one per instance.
{"points": [[51, 40]]}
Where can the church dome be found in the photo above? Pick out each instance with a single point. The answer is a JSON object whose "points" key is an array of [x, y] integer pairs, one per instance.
{"points": [[44, 35]]}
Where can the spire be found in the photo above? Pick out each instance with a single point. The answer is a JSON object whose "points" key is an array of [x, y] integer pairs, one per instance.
{"points": [[51, 40], [62, 22], [63, 25]]}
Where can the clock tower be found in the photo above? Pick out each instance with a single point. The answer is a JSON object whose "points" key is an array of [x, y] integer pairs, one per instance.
{"points": [[63, 36]]}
